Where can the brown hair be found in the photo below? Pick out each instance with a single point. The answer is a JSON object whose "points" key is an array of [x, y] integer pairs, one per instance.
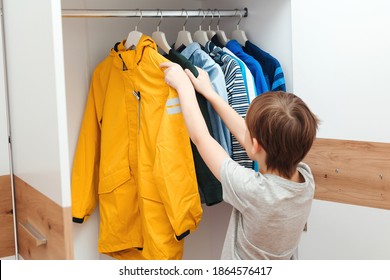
{"points": [[284, 126]]}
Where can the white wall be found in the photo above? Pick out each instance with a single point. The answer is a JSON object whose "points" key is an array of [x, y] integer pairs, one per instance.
{"points": [[342, 65], [340, 231], [341, 59], [37, 96]]}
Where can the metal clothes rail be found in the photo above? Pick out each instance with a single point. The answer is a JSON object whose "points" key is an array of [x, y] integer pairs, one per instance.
{"points": [[140, 13]]}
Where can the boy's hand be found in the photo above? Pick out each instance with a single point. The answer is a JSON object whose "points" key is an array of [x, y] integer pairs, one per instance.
{"points": [[202, 83], [175, 76]]}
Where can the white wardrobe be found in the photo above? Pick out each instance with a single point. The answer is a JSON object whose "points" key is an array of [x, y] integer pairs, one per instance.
{"points": [[7, 239], [334, 55]]}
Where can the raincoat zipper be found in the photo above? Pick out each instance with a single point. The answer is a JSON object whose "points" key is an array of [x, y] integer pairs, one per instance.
{"points": [[137, 95]]}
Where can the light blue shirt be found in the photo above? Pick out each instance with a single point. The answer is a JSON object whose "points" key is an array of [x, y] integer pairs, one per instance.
{"points": [[198, 57]]}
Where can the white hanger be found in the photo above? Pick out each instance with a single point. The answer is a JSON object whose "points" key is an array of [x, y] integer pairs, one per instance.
{"points": [[183, 37], [220, 33], [211, 33], [238, 34], [159, 37], [200, 35], [222, 37], [134, 36]]}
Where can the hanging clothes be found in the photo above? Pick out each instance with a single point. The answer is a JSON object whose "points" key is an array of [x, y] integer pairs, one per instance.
{"points": [[134, 157], [198, 57], [253, 65], [210, 188], [236, 92], [271, 67]]}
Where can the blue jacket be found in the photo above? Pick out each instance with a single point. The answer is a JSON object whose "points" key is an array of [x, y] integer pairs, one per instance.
{"points": [[253, 65], [271, 67]]}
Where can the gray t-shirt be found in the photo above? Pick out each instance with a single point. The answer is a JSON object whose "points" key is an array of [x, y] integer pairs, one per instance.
{"points": [[269, 212]]}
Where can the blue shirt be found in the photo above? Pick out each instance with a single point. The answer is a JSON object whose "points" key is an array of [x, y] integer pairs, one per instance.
{"points": [[198, 57], [253, 65]]}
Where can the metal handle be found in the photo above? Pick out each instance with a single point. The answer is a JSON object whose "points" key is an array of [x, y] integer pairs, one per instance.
{"points": [[38, 238]]}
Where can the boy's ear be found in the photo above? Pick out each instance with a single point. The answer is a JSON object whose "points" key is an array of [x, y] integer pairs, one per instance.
{"points": [[256, 147]]}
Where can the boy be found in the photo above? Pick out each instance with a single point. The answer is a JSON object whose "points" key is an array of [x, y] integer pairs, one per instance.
{"points": [[270, 207]]}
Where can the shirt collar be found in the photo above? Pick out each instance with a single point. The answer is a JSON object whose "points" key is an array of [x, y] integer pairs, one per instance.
{"points": [[234, 46], [191, 49], [216, 41], [215, 52]]}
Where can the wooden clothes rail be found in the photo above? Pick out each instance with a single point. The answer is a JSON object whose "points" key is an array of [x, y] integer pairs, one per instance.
{"points": [[158, 13]]}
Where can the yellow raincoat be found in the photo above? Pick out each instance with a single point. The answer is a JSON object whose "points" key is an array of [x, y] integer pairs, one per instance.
{"points": [[134, 157]]}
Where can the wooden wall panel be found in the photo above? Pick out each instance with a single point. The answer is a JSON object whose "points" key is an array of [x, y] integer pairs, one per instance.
{"points": [[352, 172], [48, 219], [7, 239]]}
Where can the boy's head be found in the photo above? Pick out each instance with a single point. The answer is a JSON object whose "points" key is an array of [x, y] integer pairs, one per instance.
{"points": [[284, 126]]}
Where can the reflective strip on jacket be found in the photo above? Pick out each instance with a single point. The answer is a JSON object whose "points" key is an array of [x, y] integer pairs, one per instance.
{"points": [[134, 157]]}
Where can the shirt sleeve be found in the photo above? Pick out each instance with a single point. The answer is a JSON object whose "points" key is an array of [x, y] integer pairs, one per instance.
{"points": [[237, 182], [175, 172], [85, 172]]}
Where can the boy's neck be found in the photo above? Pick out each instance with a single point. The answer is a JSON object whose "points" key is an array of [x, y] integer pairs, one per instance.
{"points": [[296, 177], [260, 158]]}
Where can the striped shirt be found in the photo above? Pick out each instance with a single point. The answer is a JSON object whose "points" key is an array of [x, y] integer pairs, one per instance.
{"points": [[247, 75], [236, 94]]}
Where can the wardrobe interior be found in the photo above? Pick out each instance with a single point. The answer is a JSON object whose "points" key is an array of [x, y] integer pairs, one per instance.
{"points": [[88, 41], [350, 215]]}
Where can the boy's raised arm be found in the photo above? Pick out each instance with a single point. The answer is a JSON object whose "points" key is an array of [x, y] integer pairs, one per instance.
{"points": [[210, 150], [230, 117]]}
